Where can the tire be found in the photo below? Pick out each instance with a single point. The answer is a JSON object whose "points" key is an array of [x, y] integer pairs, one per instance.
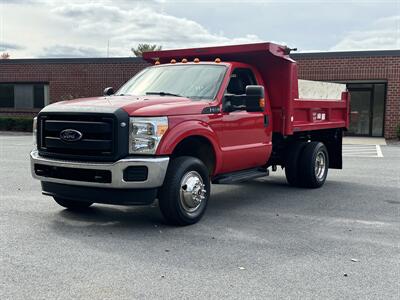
{"points": [[186, 176], [314, 164], [292, 163], [72, 204]]}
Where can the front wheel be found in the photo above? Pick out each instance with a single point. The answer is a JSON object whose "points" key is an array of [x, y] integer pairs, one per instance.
{"points": [[72, 204], [184, 195]]}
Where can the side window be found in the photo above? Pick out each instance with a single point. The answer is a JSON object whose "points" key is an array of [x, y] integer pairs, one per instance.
{"points": [[240, 78]]}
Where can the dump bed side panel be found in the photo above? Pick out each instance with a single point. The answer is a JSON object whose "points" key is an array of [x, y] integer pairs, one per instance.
{"points": [[320, 114]]}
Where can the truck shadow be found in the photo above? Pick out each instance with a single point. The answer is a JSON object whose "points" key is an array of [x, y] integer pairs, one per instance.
{"points": [[266, 194], [105, 228]]}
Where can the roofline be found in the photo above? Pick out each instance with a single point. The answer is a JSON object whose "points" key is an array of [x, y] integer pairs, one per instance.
{"points": [[89, 60], [367, 53]]}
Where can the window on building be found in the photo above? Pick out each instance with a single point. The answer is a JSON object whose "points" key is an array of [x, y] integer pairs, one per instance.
{"points": [[23, 96], [367, 108], [6, 95], [38, 96]]}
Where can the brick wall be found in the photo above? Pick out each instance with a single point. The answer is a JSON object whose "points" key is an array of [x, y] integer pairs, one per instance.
{"points": [[69, 78], [359, 68]]}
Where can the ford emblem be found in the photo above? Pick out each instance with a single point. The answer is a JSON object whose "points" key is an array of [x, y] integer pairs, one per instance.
{"points": [[70, 135]]}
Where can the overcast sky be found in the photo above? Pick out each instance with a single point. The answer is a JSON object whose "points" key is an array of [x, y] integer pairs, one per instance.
{"points": [[59, 28]]}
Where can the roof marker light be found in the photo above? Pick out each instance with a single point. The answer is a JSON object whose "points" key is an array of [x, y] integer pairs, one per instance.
{"points": [[262, 103], [157, 62], [196, 60], [217, 60], [184, 60], [173, 61]]}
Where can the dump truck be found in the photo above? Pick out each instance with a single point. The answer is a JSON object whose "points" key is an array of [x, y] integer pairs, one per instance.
{"points": [[193, 118]]}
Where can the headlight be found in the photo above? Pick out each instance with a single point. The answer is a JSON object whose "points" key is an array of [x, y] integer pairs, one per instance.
{"points": [[34, 130], [145, 134]]}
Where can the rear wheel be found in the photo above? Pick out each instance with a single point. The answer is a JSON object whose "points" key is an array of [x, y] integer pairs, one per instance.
{"points": [[184, 196], [292, 163], [314, 164], [72, 204]]}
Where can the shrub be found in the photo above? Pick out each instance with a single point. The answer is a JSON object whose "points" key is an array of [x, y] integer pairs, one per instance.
{"points": [[16, 123]]}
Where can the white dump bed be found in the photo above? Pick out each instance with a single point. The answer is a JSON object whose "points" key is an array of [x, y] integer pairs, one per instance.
{"points": [[320, 90]]}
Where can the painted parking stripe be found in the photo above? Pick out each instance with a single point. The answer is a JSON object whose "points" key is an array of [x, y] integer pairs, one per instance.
{"points": [[362, 151], [379, 151]]}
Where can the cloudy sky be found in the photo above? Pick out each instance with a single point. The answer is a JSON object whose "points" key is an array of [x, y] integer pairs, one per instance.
{"points": [[61, 28]]}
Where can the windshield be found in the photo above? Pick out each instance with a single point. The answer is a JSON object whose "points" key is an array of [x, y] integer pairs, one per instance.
{"points": [[191, 81]]}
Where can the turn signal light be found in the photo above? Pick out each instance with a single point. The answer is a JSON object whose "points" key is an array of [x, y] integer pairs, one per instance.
{"points": [[161, 129]]}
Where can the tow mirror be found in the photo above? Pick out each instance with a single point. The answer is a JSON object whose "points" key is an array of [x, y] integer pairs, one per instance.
{"points": [[255, 101], [108, 91]]}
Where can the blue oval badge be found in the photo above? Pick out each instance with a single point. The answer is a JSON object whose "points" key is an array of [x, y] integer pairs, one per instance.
{"points": [[70, 135]]}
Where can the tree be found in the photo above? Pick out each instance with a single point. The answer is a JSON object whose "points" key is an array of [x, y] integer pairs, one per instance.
{"points": [[141, 48], [5, 55]]}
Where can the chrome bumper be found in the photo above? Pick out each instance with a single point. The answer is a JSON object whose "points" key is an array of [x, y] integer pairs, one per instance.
{"points": [[157, 168]]}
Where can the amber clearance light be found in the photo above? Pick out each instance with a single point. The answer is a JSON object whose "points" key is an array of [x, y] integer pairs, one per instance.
{"points": [[262, 102]]}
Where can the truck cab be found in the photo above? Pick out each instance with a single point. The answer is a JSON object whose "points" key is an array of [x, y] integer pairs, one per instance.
{"points": [[196, 117]]}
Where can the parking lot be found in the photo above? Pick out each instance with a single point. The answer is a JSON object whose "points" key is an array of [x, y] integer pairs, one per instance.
{"points": [[260, 239]]}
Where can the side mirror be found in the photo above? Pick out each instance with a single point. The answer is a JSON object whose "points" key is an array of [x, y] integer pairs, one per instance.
{"points": [[255, 98], [108, 91]]}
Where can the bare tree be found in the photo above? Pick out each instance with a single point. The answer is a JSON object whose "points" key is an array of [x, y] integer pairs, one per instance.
{"points": [[5, 55], [141, 48]]}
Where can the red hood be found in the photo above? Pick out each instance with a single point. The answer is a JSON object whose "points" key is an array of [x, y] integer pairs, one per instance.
{"points": [[141, 105]]}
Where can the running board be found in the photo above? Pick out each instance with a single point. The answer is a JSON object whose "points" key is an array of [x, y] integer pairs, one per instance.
{"points": [[240, 176]]}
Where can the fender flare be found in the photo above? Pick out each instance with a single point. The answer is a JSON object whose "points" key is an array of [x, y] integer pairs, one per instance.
{"points": [[187, 129]]}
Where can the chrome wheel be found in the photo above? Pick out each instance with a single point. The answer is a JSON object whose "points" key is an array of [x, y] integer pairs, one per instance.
{"points": [[320, 165], [192, 192]]}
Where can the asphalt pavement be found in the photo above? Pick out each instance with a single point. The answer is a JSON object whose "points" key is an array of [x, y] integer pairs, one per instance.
{"points": [[258, 240]]}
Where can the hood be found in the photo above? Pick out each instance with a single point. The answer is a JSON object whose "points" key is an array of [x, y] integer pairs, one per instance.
{"points": [[152, 105]]}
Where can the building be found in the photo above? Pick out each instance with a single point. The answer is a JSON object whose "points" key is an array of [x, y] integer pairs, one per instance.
{"points": [[372, 77]]}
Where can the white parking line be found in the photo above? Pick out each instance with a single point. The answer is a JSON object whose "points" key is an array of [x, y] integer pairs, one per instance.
{"points": [[379, 151], [362, 151]]}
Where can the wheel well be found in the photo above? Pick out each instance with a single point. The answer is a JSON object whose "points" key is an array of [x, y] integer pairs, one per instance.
{"points": [[199, 147]]}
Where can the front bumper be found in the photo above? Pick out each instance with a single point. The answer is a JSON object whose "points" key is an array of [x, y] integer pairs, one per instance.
{"points": [[157, 168]]}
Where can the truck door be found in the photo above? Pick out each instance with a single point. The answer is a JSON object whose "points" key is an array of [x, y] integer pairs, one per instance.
{"points": [[245, 138]]}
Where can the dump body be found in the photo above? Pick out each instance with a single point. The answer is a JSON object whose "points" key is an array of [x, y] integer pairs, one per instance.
{"points": [[278, 71]]}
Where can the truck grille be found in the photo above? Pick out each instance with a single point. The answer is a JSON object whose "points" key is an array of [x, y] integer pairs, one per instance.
{"points": [[98, 139]]}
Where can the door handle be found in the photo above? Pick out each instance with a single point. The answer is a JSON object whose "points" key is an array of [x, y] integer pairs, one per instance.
{"points": [[266, 120]]}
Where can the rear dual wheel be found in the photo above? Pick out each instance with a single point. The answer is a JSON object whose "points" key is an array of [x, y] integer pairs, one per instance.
{"points": [[307, 164]]}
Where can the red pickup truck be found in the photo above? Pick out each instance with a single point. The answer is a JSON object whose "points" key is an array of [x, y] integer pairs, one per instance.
{"points": [[195, 117]]}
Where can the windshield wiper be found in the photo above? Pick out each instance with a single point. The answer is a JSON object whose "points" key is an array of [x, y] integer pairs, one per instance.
{"points": [[163, 94]]}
